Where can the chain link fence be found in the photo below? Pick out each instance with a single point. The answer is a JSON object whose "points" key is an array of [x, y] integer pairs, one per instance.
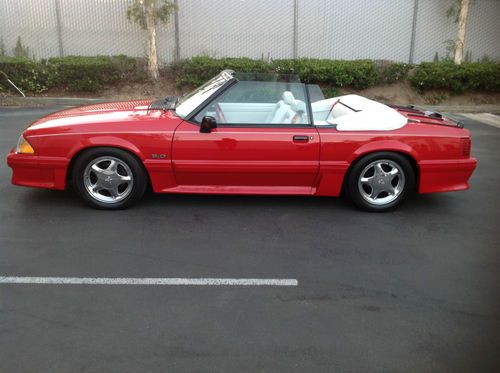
{"points": [[403, 30]]}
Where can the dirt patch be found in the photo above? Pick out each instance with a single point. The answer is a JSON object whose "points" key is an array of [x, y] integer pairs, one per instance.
{"points": [[397, 93], [124, 91], [403, 94]]}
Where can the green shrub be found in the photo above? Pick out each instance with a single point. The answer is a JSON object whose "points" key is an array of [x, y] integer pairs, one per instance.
{"points": [[393, 72], [28, 75], [74, 73], [197, 70], [330, 92], [457, 78], [90, 74], [358, 74]]}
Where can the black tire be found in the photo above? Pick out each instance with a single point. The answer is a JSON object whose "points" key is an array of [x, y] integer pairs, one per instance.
{"points": [[126, 164], [360, 193]]}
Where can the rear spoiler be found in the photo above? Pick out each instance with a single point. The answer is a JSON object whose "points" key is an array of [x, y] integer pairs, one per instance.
{"points": [[422, 113]]}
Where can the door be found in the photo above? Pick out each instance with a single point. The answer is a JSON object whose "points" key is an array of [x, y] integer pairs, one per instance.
{"points": [[260, 145]]}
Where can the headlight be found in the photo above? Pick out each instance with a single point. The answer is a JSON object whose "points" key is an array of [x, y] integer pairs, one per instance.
{"points": [[24, 147]]}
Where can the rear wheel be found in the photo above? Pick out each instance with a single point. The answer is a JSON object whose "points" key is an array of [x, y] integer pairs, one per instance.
{"points": [[109, 178], [380, 181]]}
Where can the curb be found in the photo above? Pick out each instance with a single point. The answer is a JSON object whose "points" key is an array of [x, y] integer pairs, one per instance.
{"points": [[75, 101], [485, 108], [48, 101]]}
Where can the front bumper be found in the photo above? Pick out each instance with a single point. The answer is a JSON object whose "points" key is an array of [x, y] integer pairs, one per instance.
{"points": [[38, 171], [445, 175]]}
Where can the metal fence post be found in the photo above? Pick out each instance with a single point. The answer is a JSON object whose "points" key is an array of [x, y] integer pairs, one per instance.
{"points": [[295, 28], [177, 55], [58, 27], [413, 31]]}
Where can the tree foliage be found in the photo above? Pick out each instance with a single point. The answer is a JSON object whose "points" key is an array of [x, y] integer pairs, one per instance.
{"points": [[459, 9], [20, 50], [147, 14], [3, 51], [454, 9], [137, 11]]}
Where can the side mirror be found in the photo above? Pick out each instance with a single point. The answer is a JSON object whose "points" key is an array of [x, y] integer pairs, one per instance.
{"points": [[207, 124]]}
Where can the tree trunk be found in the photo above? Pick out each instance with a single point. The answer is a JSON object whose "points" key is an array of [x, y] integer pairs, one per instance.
{"points": [[462, 25], [151, 29]]}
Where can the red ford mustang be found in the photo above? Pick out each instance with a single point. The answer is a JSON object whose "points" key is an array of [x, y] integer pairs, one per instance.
{"points": [[237, 136]]}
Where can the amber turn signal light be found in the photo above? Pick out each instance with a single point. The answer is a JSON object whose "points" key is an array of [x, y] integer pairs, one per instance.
{"points": [[24, 147]]}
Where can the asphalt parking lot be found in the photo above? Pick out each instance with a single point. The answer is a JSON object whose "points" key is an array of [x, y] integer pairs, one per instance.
{"points": [[415, 290]]}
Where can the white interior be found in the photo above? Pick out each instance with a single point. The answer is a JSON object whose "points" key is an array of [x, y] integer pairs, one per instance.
{"points": [[237, 112], [286, 111], [347, 113], [370, 115]]}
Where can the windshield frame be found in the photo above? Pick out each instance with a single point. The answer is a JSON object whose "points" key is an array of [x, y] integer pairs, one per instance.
{"points": [[228, 87], [190, 103]]}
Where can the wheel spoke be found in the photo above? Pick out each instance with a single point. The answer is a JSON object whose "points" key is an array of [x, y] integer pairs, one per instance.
{"points": [[124, 179], [379, 170], [114, 192], [375, 191], [382, 187], [390, 190], [96, 188], [111, 183], [113, 165], [97, 169], [393, 173], [367, 180]]}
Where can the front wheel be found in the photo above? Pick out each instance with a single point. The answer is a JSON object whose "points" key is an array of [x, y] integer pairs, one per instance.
{"points": [[380, 181], [109, 178]]}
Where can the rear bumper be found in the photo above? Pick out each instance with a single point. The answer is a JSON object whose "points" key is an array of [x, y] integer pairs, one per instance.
{"points": [[445, 175], [38, 172]]}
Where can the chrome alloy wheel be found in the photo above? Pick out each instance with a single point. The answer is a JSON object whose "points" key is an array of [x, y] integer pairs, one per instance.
{"points": [[108, 179], [381, 182]]}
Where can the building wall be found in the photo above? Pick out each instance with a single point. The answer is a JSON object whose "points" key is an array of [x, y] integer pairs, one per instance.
{"points": [[338, 29]]}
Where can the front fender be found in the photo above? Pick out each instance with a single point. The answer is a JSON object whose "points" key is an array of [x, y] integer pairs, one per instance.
{"points": [[105, 141], [62, 150]]}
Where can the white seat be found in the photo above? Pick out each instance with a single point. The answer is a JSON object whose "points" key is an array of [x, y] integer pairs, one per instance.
{"points": [[298, 111], [282, 108]]}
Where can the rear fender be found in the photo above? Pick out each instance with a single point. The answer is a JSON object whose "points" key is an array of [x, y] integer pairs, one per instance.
{"points": [[384, 146], [334, 173]]}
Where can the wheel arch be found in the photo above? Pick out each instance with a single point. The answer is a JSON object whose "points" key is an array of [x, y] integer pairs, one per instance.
{"points": [[81, 151], [358, 156]]}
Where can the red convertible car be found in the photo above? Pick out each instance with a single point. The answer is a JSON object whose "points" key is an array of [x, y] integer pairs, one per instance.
{"points": [[242, 136]]}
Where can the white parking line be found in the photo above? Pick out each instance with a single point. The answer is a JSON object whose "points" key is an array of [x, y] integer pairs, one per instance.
{"points": [[149, 281]]}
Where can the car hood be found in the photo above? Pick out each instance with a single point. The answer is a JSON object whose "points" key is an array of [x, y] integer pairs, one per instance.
{"points": [[107, 112]]}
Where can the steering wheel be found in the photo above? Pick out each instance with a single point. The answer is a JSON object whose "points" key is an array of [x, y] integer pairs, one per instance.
{"points": [[220, 115]]}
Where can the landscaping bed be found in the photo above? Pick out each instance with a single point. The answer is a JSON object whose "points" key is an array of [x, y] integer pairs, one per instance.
{"points": [[121, 77]]}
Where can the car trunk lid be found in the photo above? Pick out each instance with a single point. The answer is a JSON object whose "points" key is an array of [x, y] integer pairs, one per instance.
{"points": [[420, 115]]}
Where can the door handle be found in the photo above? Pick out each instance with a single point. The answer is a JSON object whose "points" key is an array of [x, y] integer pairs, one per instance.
{"points": [[300, 138]]}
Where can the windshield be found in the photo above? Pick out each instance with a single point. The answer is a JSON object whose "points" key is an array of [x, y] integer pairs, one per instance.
{"points": [[192, 100]]}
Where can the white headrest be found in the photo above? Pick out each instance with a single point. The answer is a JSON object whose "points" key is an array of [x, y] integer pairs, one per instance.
{"points": [[288, 97], [298, 106]]}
